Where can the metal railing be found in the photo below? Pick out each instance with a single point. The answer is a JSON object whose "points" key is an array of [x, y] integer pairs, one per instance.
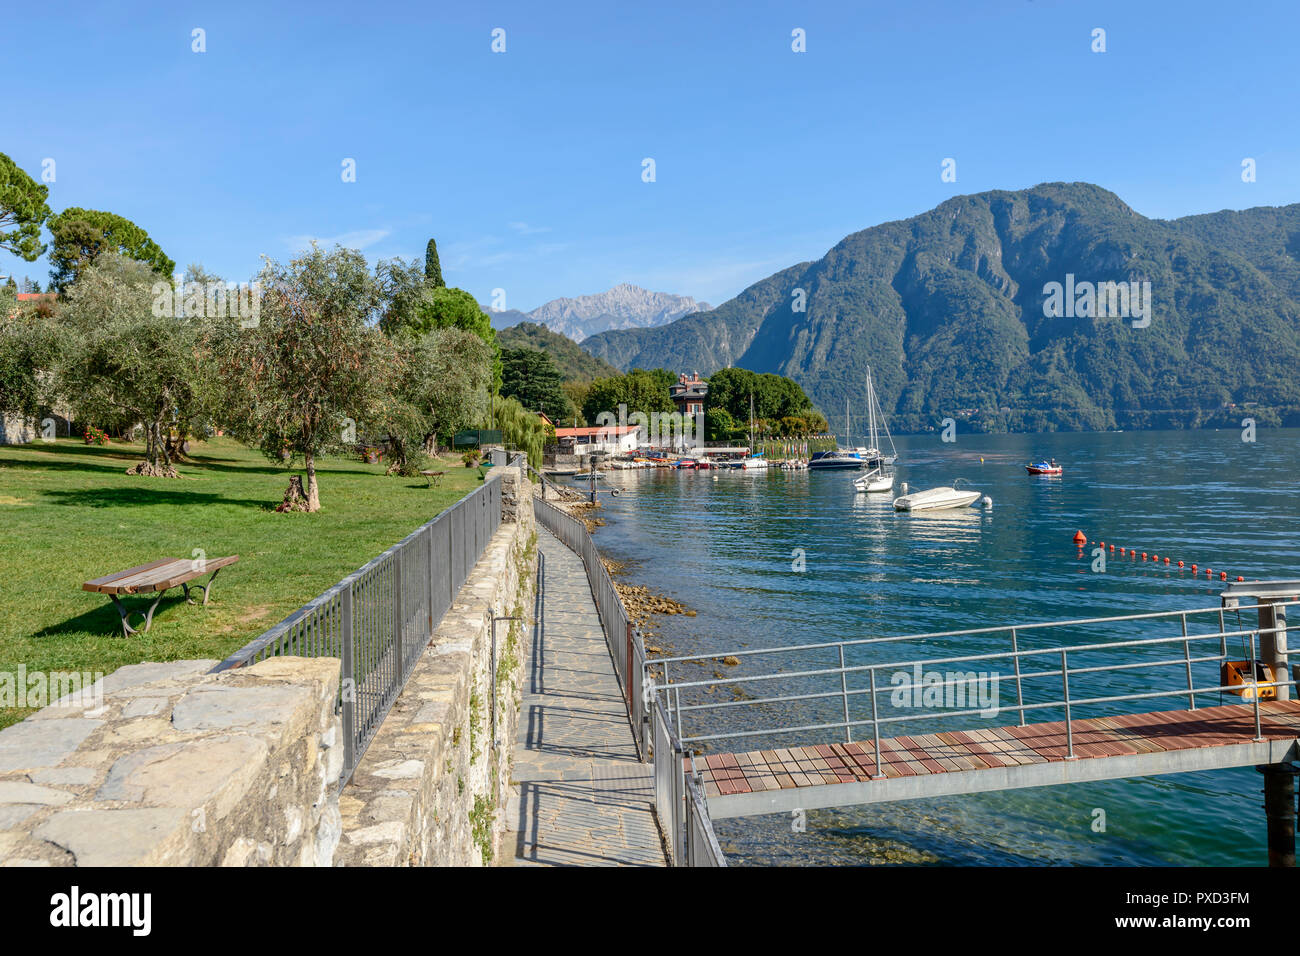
{"points": [[847, 684], [680, 805], [379, 619], [625, 646]]}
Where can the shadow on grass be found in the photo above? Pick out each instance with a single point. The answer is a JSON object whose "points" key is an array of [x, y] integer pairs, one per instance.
{"points": [[105, 620], [323, 468], [118, 467], [136, 497]]}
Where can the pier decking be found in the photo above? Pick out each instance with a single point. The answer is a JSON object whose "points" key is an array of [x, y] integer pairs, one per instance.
{"points": [[1001, 758]]}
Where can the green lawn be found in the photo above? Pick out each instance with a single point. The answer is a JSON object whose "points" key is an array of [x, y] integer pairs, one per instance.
{"points": [[69, 513]]}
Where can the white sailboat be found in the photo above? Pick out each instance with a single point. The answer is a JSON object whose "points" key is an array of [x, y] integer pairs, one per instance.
{"points": [[880, 476], [752, 462]]}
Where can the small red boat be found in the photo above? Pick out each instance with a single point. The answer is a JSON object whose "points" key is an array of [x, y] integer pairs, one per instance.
{"points": [[1044, 468]]}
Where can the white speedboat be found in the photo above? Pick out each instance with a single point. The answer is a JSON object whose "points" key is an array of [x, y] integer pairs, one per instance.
{"points": [[935, 499], [875, 480]]}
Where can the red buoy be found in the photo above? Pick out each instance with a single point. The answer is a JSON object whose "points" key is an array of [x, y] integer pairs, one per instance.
{"points": [[1080, 538], [1112, 547], [1180, 564], [1208, 572], [1193, 569], [1144, 555], [1240, 578], [1167, 561], [1223, 575]]}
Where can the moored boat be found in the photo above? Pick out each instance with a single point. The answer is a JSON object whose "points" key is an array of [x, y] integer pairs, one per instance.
{"points": [[1044, 468], [935, 499], [876, 480]]}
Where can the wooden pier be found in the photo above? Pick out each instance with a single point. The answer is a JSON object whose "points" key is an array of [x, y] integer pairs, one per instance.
{"points": [[1000, 758]]}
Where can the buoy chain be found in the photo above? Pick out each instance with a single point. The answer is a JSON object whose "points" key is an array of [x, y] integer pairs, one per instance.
{"points": [[1081, 539]]}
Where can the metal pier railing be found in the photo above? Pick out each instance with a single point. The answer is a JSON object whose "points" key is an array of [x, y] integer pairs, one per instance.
{"points": [[1041, 676]]}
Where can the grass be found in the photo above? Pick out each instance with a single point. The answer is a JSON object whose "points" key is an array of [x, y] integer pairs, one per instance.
{"points": [[69, 513]]}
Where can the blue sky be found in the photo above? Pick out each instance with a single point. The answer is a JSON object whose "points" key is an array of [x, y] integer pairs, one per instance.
{"points": [[527, 165]]}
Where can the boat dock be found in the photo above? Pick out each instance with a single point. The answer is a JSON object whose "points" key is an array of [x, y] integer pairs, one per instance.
{"points": [[820, 735]]}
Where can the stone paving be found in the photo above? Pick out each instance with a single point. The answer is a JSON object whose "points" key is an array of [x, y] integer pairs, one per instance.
{"points": [[580, 796]]}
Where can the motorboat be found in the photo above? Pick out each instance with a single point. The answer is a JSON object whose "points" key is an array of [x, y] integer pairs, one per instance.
{"points": [[837, 460], [1045, 467], [936, 499]]}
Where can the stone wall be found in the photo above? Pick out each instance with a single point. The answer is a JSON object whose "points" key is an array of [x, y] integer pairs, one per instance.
{"points": [[169, 765], [429, 789], [16, 430]]}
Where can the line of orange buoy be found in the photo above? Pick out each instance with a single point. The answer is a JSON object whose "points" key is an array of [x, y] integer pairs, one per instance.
{"points": [[1081, 539]]}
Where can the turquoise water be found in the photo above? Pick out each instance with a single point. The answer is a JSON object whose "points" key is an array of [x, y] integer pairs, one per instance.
{"points": [[725, 547]]}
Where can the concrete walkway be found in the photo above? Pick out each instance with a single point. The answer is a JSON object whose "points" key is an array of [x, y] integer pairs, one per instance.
{"points": [[580, 796]]}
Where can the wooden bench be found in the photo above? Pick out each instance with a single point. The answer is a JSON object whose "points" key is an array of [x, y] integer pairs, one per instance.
{"points": [[158, 576], [431, 478]]}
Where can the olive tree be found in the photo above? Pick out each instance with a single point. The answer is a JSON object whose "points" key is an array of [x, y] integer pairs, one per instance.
{"points": [[123, 364], [441, 383], [297, 383]]}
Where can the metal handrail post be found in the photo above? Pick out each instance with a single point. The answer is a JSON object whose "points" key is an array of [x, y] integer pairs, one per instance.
{"points": [[844, 696], [1259, 734], [1020, 694], [348, 688], [1069, 731], [1187, 655], [399, 622], [875, 724]]}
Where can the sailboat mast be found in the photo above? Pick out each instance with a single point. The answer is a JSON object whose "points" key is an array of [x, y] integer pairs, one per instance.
{"points": [[751, 424], [871, 410]]}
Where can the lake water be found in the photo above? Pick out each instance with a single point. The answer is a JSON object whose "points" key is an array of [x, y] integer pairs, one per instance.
{"points": [[726, 547]]}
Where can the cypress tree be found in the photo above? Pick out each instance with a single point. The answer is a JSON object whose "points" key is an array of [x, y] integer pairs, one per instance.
{"points": [[432, 267]]}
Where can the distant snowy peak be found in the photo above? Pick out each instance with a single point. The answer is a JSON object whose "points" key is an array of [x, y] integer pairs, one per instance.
{"points": [[625, 306]]}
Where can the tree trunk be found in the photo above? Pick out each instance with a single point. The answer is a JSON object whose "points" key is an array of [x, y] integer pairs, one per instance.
{"points": [[157, 464], [399, 455], [294, 499], [313, 488]]}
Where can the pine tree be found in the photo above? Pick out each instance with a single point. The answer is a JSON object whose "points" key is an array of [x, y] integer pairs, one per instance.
{"points": [[432, 267]]}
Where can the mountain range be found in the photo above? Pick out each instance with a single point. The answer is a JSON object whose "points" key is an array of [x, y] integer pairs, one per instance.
{"points": [[953, 312], [623, 307], [574, 364]]}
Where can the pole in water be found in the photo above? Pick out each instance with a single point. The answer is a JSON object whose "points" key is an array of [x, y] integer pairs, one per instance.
{"points": [[1279, 778]]}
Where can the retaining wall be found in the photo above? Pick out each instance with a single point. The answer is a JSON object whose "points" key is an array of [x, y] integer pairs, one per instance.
{"points": [[172, 766]]}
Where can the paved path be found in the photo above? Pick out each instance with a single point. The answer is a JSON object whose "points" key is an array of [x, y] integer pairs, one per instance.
{"points": [[580, 796]]}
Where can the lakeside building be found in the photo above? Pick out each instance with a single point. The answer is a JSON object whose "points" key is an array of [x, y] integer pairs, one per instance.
{"points": [[688, 394], [597, 440]]}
